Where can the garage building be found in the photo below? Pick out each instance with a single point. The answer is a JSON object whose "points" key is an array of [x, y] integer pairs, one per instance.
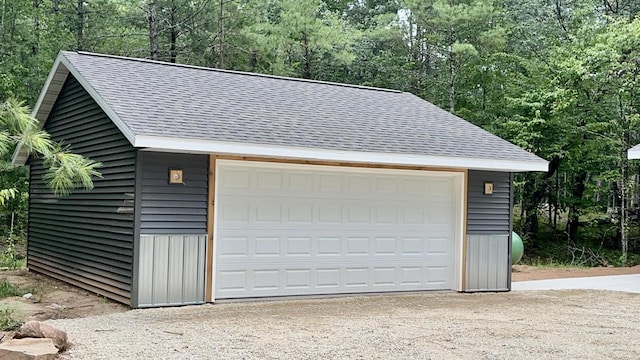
{"points": [[225, 185]]}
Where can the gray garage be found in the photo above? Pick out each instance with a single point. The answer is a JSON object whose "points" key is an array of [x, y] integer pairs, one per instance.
{"points": [[225, 185]]}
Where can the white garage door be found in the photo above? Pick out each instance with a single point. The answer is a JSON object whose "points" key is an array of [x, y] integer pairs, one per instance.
{"points": [[286, 229]]}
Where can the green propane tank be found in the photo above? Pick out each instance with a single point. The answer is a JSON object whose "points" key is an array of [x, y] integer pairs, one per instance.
{"points": [[517, 248]]}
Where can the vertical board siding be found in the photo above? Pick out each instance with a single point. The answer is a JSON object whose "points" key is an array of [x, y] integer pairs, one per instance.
{"points": [[85, 238], [171, 270], [489, 214], [488, 263], [173, 208]]}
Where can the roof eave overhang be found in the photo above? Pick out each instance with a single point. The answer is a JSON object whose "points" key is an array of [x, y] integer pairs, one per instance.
{"points": [[169, 144], [633, 153], [61, 68]]}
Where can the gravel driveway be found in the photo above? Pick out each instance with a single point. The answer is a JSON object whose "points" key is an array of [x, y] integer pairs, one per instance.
{"points": [[570, 324]]}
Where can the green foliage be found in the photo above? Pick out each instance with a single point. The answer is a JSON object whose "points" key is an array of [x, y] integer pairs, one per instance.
{"points": [[8, 289], [7, 194], [10, 258], [66, 171], [8, 321], [559, 79], [301, 38]]}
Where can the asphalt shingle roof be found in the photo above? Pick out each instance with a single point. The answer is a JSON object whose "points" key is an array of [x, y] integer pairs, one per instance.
{"points": [[177, 101]]}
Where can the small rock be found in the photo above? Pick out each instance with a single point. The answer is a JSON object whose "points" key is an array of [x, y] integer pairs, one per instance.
{"points": [[55, 306], [27, 295], [36, 329], [28, 349]]}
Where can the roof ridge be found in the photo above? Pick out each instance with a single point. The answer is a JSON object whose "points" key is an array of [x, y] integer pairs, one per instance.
{"points": [[235, 72]]}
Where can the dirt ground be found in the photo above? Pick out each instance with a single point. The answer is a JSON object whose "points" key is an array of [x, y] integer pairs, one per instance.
{"points": [[532, 325], [526, 272], [53, 299]]}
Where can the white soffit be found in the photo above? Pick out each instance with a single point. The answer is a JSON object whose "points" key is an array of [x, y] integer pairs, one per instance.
{"points": [[166, 144]]}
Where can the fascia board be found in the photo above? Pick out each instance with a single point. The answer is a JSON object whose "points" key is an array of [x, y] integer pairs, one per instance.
{"points": [[154, 143]]}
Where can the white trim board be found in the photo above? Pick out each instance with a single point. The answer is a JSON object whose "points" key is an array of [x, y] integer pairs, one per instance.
{"points": [[167, 144]]}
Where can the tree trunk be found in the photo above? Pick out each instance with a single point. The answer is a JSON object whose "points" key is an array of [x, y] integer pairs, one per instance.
{"points": [[452, 72], [556, 202], [532, 195], [173, 33], [306, 57], [2, 16], [153, 30], [221, 37], [625, 138], [35, 46], [80, 26], [624, 213], [574, 209]]}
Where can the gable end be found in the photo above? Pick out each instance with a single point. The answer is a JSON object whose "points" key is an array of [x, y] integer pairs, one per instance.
{"points": [[85, 238]]}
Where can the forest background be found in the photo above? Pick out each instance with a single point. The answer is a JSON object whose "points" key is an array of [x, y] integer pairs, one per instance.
{"points": [[559, 78]]}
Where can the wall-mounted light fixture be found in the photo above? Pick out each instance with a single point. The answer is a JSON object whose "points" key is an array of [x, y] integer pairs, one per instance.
{"points": [[175, 176], [488, 188]]}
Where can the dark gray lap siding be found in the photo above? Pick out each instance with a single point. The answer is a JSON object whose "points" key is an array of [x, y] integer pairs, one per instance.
{"points": [[488, 232], [489, 214], [85, 238], [179, 209]]}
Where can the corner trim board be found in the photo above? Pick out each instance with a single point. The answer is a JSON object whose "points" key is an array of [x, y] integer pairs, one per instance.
{"points": [[137, 212], [465, 214], [511, 200], [208, 292]]}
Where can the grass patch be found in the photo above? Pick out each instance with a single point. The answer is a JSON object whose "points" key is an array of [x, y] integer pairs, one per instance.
{"points": [[12, 263], [546, 263], [7, 321], [10, 259], [8, 289]]}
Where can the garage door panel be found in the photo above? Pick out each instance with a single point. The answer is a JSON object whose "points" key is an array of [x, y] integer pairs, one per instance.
{"points": [[329, 246], [298, 246], [385, 246], [266, 280], [266, 246], [297, 279], [270, 180], [307, 184], [284, 231], [326, 279], [235, 211], [359, 184], [324, 243], [235, 179], [233, 246]]}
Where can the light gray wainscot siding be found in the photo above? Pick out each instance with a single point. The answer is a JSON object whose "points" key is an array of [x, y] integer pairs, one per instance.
{"points": [[489, 227], [85, 238], [172, 229]]}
